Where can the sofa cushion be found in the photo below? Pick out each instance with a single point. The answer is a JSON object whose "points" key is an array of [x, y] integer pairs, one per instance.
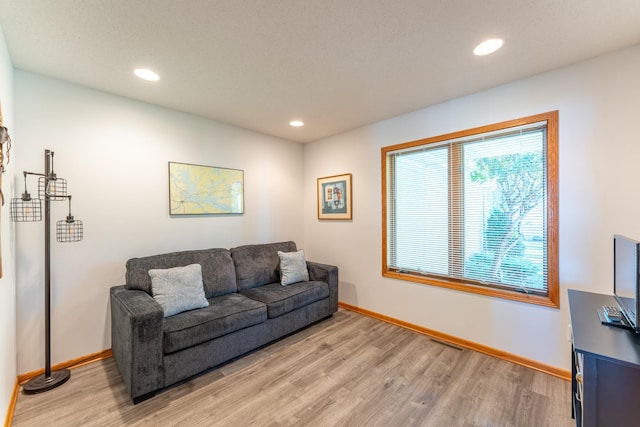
{"points": [[293, 267], [258, 265], [178, 289], [225, 314], [283, 299], [218, 271]]}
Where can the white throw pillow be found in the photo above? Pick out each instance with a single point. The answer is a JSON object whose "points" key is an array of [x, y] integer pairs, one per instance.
{"points": [[178, 289], [293, 267]]}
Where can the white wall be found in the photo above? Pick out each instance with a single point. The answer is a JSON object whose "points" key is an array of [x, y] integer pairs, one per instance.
{"points": [[8, 369], [599, 108], [114, 153]]}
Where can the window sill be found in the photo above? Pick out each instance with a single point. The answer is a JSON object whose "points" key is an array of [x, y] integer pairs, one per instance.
{"points": [[475, 289]]}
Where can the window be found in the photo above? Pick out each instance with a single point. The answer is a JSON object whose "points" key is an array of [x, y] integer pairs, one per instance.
{"points": [[476, 210]]}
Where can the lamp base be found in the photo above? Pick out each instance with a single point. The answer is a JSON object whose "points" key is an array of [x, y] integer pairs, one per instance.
{"points": [[42, 383]]}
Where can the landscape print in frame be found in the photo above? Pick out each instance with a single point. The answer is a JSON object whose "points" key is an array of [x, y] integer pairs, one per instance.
{"points": [[334, 197], [205, 190]]}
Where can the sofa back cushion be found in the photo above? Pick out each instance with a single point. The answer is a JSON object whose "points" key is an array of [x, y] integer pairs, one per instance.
{"points": [[258, 265], [218, 272]]}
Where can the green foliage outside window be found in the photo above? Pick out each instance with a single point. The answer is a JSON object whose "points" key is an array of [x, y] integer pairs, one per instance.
{"points": [[519, 188]]}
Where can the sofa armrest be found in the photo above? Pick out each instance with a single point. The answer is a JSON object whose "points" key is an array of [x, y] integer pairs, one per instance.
{"points": [[136, 340], [329, 274]]}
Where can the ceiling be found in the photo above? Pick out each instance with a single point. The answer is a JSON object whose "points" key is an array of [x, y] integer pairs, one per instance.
{"points": [[334, 64]]}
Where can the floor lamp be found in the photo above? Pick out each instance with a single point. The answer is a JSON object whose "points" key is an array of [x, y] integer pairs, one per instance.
{"points": [[28, 209]]}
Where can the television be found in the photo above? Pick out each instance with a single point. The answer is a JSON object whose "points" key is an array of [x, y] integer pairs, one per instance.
{"points": [[626, 278]]}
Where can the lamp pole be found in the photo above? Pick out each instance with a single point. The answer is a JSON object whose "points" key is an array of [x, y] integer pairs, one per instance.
{"points": [[50, 379]]}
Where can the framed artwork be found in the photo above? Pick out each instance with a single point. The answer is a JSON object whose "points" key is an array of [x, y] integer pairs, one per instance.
{"points": [[205, 190], [334, 197]]}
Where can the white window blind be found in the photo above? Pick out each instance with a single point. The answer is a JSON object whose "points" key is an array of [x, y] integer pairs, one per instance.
{"points": [[472, 210]]}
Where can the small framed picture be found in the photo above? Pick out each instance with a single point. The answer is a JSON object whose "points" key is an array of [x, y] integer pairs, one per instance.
{"points": [[334, 197]]}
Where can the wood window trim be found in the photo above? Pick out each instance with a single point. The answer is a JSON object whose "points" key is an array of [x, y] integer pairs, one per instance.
{"points": [[553, 288]]}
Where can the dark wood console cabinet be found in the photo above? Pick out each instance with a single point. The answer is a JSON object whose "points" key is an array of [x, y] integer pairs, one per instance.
{"points": [[605, 366]]}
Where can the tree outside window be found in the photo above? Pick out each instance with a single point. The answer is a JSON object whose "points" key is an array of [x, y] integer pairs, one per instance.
{"points": [[509, 256]]}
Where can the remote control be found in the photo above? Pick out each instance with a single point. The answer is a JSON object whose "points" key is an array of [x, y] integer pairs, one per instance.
{"points": [[612, 313]]}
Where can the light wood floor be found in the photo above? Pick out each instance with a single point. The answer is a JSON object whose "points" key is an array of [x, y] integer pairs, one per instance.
{"points": [[350, 370]]}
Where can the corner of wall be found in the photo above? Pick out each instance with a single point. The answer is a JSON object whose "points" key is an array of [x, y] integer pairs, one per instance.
{"points": [[8, 362]]}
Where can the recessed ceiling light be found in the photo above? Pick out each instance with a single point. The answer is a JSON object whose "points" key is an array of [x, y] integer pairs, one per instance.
{"points": [[296, 123], [146, 74], [488, 46]]}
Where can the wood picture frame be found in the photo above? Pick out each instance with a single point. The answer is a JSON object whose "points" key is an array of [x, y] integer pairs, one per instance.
{"points": [[335, 197]]}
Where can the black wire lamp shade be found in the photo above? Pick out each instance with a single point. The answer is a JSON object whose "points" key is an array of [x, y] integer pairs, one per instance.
{"points": [[28, 209], [25, 208], [55, 188], [70, 229]]}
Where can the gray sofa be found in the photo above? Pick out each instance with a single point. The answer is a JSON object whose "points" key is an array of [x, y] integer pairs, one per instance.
{"points": [[248, 308]]}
